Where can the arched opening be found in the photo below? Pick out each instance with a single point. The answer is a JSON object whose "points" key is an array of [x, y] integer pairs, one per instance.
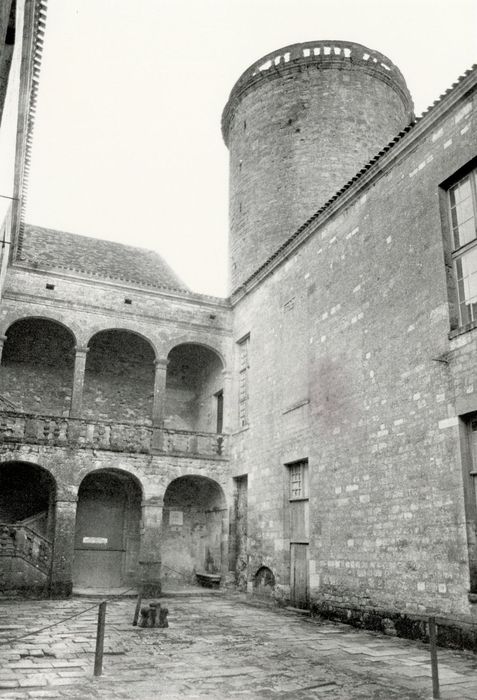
{"points": [[119, 378], [194, 389], [36, 372], [264, 582], [27, 513], [193, 529], [107, 533]]}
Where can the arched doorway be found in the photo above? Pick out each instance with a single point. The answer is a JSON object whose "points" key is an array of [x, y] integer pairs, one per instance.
{"points": [[194, 523], [107, 534], [27, 514]]}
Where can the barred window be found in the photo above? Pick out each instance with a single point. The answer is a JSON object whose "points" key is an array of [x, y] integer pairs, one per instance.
{"points": [[244, 365], [297, 473], [463, 216]]}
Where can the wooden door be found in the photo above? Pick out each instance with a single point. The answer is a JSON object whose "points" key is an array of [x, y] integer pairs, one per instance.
{"points": [[99, 538], [299, 575]]}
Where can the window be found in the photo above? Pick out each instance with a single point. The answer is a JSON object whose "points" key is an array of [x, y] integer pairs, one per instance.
{"points": [[219, 399], [473, 465], [463, 221], [469, 473], [298, 474], [243, 380]]}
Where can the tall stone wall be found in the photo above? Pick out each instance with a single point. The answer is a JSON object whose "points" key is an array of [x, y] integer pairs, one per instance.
{"points": [[359, 314]]}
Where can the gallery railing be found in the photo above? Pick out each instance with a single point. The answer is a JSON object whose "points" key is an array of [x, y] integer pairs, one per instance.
{"points": [[25, 428]]}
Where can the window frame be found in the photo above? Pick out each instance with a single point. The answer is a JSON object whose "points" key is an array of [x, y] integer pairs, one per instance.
{"points": [[243, 414], [302, 464], [458, 253]]}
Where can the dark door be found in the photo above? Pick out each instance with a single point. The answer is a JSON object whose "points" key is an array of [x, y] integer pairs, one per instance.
{"points": [[100, 537], [299, 575]]}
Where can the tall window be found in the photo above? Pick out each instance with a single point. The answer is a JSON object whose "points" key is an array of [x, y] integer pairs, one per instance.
{"points": [[463, 214], [469, 464], [244, 365], [298, 473]]}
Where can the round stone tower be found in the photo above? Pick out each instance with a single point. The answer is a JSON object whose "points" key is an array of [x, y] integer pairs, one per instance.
{"points": [[299, 123]]}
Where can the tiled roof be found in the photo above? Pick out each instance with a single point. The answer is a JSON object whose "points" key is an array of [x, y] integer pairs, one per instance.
{"points": [[49, 249]]}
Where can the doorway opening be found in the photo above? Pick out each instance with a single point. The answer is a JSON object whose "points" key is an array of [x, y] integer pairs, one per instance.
{"points": [[194, 527], [107, 534], [27, 515]]}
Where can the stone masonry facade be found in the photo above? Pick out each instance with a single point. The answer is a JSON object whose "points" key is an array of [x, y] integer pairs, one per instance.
{"points": [[309, 438]]}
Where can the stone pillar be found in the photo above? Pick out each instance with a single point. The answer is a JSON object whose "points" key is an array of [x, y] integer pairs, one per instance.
{"points": [[150, 551], [78, 381], [228, 408], [159, 402], [61, 581], [2, 342]]}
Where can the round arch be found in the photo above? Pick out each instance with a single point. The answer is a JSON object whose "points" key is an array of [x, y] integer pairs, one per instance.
{"points": [[194, 530], [37, 365], [122, 329], [11, 320], [194, 388], [107, 529], [186, 340], [27, 495], [119, 377]]}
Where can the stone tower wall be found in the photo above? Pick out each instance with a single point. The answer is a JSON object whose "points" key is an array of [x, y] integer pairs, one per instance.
{"points": [[299, 124]]}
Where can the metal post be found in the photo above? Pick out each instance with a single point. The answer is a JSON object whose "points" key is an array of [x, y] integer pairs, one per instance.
{"points": [[434, 666], [98, 654], [136, 612]]}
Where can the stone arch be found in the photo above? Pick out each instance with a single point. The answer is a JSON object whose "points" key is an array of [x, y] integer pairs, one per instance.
{"points": [[36, 371], [123, 329], [14, 317], [194, 388], [107, 529], [119, 376], [264, 582], [194, 530], [27, 517], [194, 340]]}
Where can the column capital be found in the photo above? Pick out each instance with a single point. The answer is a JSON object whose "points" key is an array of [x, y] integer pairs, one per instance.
{"points": [[161, 363], [2, 339], [81, 349], [227, 373]]}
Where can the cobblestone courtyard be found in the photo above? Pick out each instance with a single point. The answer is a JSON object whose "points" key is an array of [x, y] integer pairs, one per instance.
{"points": [[217, 647]]}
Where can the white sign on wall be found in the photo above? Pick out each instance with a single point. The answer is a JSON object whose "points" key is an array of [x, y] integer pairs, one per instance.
{"points": [[176, 517], [95, 540]]}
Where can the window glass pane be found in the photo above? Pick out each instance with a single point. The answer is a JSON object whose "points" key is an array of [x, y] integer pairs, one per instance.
{"points": [[464, 314], [466, 273], [460, 191], [462, 212]]}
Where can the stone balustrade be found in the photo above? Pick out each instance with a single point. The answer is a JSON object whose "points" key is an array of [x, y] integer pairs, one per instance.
{"points": [[83, 433], [17, 540]]}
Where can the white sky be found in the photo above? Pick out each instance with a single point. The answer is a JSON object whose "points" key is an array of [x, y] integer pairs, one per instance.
{"points": [[127, 140]]}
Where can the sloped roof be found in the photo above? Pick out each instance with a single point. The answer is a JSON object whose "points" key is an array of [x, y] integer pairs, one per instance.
{"points": [[50, 249]]}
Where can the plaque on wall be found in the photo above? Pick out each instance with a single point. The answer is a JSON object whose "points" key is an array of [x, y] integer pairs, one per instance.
{"points": [[176, 517], [95, 540]]}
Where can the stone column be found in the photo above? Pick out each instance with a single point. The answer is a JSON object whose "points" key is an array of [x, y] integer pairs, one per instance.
{"points": [[159, 402], [78, 381], [228, 408], [2, 342], [150, 551], [61, 581]]}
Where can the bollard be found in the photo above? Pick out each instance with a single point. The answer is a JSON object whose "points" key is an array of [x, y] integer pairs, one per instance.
{"points": [[98, 654], [434, 666], [136, 612]]}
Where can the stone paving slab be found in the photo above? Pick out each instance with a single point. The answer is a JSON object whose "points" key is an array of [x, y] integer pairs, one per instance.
{"points": [[215, 647]]}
